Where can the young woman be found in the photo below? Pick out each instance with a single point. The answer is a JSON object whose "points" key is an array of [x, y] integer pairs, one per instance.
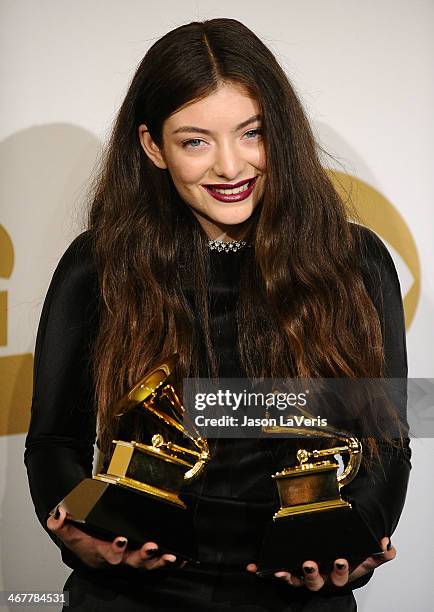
{"points": [[214, 233]]}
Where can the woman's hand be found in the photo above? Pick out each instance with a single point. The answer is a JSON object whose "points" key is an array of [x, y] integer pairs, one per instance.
{"points": [[100, 553], [340, 575]]}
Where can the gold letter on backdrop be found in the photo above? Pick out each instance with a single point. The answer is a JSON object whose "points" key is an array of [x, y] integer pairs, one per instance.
{"points": [[15, 370]]}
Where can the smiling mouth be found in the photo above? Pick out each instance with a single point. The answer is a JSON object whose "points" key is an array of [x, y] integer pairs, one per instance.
{"points": [[231, 193]]}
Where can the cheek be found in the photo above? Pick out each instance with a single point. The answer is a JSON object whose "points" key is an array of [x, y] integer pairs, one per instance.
{"points": [[260, 160], [187, 171]]}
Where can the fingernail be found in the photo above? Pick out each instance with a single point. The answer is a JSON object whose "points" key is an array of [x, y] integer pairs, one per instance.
{"points": [[389, 546], [153, 552], [340, 566], [57, 514], [309, 569], [121, 543]]}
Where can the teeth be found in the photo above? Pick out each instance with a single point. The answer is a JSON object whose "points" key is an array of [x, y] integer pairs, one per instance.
{"points": [[231, 191]]}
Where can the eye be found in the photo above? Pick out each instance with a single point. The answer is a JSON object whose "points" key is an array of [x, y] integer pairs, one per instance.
{"points": [[193, 143], [253, 133]]}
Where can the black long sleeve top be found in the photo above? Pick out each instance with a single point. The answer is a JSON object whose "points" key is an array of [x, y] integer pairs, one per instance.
{"points": [[237, 487]]}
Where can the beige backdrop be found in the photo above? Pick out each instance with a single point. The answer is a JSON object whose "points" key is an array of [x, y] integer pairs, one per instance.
{"points": [[364, 72]]}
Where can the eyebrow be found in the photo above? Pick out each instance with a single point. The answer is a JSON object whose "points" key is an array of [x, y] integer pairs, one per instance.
{"points": [[199, 130]]}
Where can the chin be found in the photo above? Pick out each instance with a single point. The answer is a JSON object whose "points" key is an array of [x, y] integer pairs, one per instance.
{"points": [[232, 217]]}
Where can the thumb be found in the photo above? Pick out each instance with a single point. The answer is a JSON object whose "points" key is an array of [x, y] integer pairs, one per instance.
{"points": [[371, 563], [56, 520]]}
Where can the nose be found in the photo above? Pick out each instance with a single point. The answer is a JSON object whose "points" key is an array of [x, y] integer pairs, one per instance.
{"points": [[228, 162]]}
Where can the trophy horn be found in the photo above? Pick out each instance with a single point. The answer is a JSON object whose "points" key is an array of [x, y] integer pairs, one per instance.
{"points": [[170, 450]]}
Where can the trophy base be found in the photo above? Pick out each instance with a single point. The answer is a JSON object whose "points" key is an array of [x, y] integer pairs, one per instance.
{"points": [[318, 536], [106, 510]]}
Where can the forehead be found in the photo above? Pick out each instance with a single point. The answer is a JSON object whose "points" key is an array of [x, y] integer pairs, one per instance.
{"points": [[221, 110]]}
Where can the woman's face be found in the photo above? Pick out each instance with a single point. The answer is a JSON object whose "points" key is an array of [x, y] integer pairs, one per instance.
{"points": [[212, 146]]}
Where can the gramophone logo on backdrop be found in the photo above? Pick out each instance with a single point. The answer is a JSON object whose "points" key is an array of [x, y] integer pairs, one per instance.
{"points": [[377, 213], [373, 208], [15, 370]]}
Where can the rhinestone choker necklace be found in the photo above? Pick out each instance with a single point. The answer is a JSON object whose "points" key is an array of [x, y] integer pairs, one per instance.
{"points": [[231, 246]]}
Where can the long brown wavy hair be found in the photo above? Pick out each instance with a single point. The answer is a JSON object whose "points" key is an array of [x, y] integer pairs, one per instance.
{"points": [[303, 309]]}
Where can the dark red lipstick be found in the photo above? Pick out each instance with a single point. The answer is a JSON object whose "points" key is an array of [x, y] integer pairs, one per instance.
{"points": [[231, 197]]}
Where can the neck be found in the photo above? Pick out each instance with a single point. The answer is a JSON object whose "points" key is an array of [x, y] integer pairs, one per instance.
{"points": [[227, 237], [226, 233]]}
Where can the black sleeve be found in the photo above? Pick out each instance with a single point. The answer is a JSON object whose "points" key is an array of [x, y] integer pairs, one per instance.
{"points": [[60, 441], [379, 494]]}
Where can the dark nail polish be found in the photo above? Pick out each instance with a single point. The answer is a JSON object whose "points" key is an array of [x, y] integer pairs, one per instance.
{"points": [[121, 543], [309, 569], [57, 513], [152, 553], [389, 546], [340, 566]]}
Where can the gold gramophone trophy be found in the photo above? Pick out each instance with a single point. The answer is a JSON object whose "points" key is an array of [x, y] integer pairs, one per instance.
{"points": [[314, 522], [139, 495]]}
